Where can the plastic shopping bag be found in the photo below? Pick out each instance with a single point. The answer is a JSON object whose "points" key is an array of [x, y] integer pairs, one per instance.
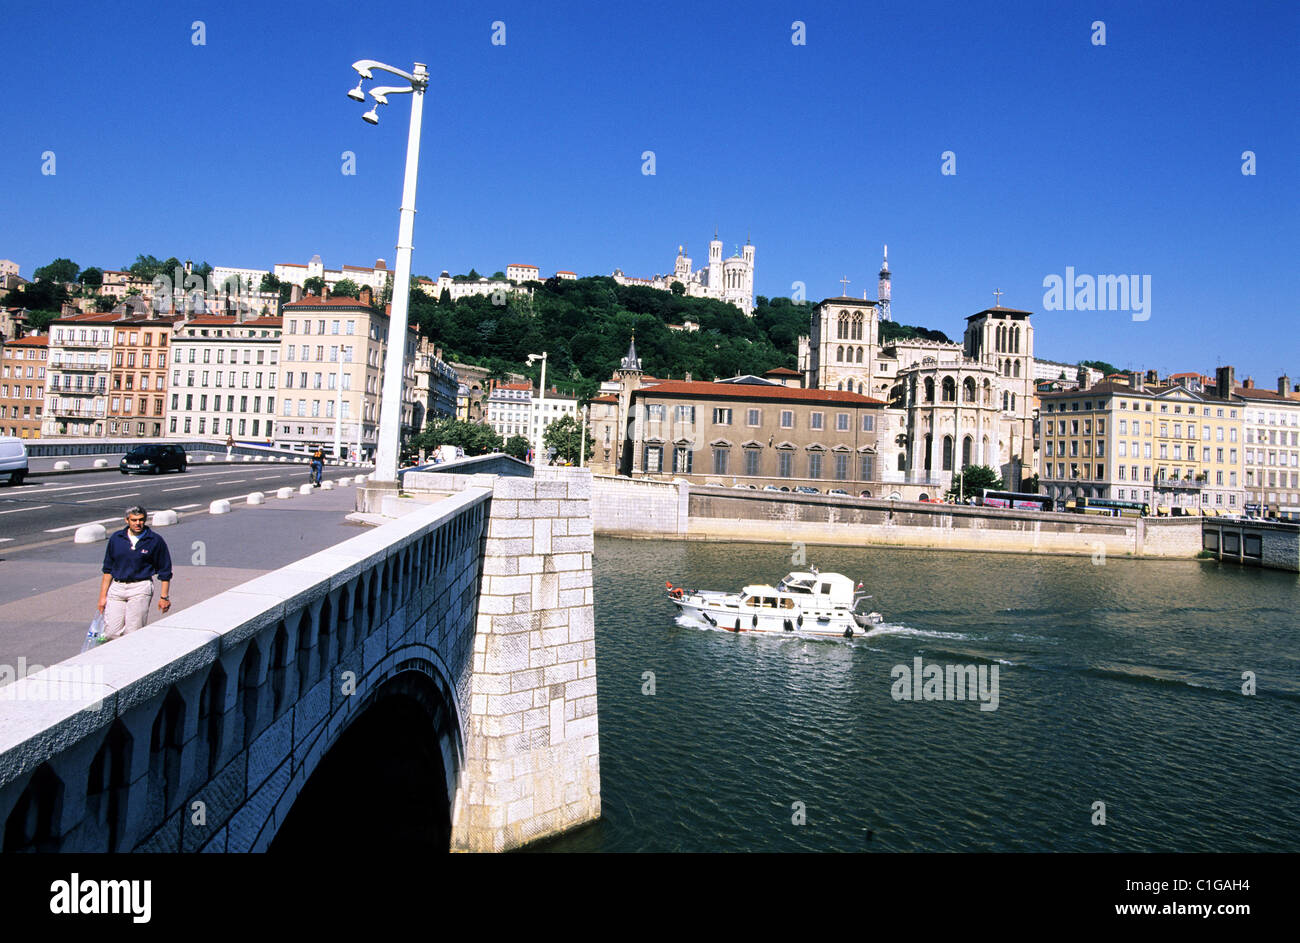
{"points": [[95, 634]]}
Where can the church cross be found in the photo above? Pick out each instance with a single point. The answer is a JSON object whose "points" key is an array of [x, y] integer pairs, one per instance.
{"points": [[844, 287], [997, 294]]}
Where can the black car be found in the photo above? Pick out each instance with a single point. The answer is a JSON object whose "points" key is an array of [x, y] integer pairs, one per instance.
{"points": [[153, 458]]}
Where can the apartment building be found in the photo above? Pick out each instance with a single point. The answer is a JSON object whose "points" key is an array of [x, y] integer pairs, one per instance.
{"points": [[224, 375], [137, 399], [22, 385], [1166, 445], [510, 409], [1272, 448], [332, 353], [77, 375]]}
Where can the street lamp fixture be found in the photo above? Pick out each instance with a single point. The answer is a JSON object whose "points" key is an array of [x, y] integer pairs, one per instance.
{"points": [[390, 409]]}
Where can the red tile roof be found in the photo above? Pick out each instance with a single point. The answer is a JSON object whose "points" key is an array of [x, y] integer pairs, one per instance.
{"points": [[332, 301], [743, 391], [40, 340], [782, 372]]}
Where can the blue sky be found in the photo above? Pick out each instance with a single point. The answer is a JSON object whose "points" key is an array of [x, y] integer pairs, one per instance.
{"points": [[1115, 159]]}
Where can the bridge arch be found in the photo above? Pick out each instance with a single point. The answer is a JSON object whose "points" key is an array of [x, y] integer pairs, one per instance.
{"points": [[388, 778]]}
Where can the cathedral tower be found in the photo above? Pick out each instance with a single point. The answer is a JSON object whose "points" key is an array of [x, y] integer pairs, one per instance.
{"points": [[883, 289]]}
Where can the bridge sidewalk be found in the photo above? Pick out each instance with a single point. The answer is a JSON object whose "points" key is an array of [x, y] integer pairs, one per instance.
{"points": [[48, 594]]}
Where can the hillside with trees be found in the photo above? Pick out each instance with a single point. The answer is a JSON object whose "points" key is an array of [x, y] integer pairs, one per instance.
{"points": [[584, 326]]}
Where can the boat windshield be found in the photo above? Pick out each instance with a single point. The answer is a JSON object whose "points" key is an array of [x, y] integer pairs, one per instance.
{"points": [[795, 586]]}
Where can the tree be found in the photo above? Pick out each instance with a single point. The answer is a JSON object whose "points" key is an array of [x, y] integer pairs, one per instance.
{"points": [[1031, 485], [314, 285], [39, 321], [518, 446], [1103, 366], [475, 438], [563, 435], [347, 288], [677, 288], [473, 275], [58, 271], [269, 283], [972, 480], [92, 277]]}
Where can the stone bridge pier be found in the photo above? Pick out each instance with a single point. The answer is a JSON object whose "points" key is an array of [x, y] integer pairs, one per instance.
{"points": [[470, 618]]}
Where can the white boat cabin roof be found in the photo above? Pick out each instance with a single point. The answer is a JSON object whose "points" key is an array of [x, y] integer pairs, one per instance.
{"points": [[835, 585]]}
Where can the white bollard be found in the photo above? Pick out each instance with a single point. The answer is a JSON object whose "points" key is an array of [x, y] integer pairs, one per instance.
{"points": [[284, 493], [344, 482], [256, 497], [305, 489], [62, 466], [101, 463], [164, 518], [360, 479], [248, 458], [327, 486], [220, 506], [283, 459], [210, 458], [90, 534], [257, 458]]}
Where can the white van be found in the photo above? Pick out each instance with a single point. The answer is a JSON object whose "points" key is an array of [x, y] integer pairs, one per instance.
{"points": [[13, 459]]}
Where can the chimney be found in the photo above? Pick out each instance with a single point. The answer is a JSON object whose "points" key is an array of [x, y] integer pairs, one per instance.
{"points": [[1249, 383], [687, 377], [1135, 380], [1283, 384], [365, 295], [379, 264], [295, 294], [324, 291], [1153, 377], [1224, 381]]}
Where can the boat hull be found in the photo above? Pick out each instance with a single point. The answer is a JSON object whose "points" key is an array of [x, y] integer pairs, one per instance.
{"points": [[721, 613]]}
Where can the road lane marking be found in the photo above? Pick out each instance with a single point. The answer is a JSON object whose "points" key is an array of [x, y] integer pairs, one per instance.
{"points": [[190, 488], [129, 494], [36, 508], [234, 481], [184, 507], [265, 477], [102, 520]]}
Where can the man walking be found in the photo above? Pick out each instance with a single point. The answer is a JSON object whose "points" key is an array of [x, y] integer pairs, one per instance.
{"points": [[230, 445], [317, 465], [133, 556]]}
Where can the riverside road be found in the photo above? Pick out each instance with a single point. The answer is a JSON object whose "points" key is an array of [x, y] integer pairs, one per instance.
{"points": [[49, 584], [50, 509]]}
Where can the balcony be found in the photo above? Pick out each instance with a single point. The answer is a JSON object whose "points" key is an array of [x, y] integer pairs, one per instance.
{"points": [[69, 390], [1179, 484], [73, 365], [75, 411], [69, 342]]}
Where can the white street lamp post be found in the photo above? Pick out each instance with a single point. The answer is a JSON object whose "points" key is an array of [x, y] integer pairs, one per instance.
{"points": [[539, 443], [390, 408], [582, 439]]}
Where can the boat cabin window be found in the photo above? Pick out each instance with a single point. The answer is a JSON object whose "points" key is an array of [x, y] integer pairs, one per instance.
{"points": [[787, 603], [824, 589]]}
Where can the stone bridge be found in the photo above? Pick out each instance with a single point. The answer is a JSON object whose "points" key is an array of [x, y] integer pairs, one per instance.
{"points": [[432, 680]]}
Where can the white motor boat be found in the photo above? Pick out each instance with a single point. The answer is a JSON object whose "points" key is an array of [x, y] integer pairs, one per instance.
{"points": [[803, 603]]}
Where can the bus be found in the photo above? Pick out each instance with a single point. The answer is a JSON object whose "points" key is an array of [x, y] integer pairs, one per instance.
{"points": [[1109, 507], [1014, 499]]}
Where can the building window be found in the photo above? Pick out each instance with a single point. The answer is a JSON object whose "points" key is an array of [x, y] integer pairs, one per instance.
{"points": [[814, 465], [682, 459], [868, 469], [721, 417], [842, 422], [785, 461], [841, 466], [815, 420], [654, 459], [720, 461], [753, 417], [685, 413], [787, 419], [868, 423], [752, 459]]}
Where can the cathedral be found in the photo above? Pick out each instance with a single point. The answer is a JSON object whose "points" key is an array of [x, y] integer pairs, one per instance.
{"points": [[729, 280], [955, 404]]}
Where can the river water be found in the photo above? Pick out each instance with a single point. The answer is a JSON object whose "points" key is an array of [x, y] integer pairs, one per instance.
{"points": [[1119, 682]]}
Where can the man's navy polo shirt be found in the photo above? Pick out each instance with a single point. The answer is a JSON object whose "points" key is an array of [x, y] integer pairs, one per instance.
{"points": [[150, 556]]}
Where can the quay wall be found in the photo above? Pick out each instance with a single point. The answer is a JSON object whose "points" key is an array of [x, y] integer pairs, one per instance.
{"points": [[630, 508], [1271, 545]]}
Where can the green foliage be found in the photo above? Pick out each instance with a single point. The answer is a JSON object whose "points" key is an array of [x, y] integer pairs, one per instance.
{"points": [[890, 331], [1030, 485], [475, 438], [43, 295], [92, 277], [347, 288], [677, 288], [564, 435], [60, 271], [517, 446], [973, 479], [314, 285], [39, 321], [269, 283], [1103, 366]]}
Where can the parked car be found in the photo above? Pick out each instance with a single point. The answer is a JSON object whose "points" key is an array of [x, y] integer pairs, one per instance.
{"points": [[839, 491], [747, 487], [772, 488], [806, 489], [13, 459], [864, 494], [155, 459]]}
